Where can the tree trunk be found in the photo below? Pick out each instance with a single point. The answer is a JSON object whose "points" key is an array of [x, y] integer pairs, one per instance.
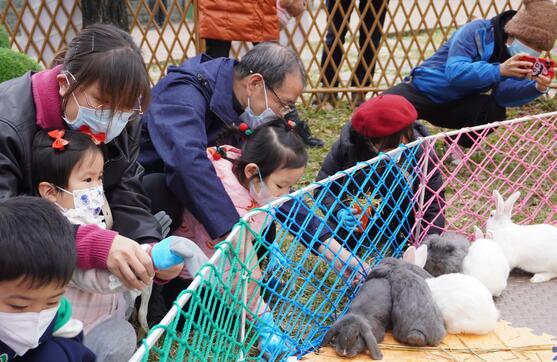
{"points": [[105, 11]]}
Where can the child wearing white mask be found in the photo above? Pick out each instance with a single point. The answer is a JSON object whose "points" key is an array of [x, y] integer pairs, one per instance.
{"points": [[271, 162], [37, 260], [68, 171]]}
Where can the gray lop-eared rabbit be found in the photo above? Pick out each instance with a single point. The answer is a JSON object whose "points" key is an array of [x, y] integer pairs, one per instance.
{"points": [[445, 253], [365, 323], [415, 317]]}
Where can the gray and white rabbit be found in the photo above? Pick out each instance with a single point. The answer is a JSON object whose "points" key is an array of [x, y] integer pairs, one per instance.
{"points": [[532, 248], [445, 253], [465, 303], [487, 263], [365, 323], [416, 319]]}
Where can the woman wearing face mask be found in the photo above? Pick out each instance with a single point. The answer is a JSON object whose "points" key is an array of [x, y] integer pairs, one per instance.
{"points": [[100, 88], [478, 72]]}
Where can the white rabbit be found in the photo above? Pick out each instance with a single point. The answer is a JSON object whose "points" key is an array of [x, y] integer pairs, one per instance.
{"points": [[532, 248], [465, 303], [486, 262]]}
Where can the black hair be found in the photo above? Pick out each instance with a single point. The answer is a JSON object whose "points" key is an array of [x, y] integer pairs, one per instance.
{"points": [[37, 242], [55, 166], [106, 54], [364, 145], [273, 61], [272, 146]]}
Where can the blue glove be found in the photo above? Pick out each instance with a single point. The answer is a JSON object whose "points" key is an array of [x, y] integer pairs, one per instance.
{"points": [[347, 219], [162, 254], [272, 341]]}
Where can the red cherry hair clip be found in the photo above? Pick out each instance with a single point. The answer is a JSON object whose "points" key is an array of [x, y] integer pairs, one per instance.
{"points": [[59, 143]]}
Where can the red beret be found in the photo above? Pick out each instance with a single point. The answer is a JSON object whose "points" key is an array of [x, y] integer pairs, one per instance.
{"points": [[383, 116]]}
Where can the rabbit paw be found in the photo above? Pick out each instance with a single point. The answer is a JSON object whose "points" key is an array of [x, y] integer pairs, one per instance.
{"points": [[542, 277]]}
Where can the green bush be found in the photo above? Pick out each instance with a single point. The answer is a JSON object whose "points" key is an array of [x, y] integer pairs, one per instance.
{"points": [[4, 38], [14, 64]]}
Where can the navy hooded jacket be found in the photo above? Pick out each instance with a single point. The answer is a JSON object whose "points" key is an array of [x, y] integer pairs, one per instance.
{"points": [[190, 108]]}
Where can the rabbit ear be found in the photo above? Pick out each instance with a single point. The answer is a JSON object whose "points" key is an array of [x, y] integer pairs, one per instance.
{"points": [[510, 203], [478, 234], [421, 256], [499, 203], [410, 254], [371, 342]]}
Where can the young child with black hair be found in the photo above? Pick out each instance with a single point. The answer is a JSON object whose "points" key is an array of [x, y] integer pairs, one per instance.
{"points": [[379, 125], [36, 264], [272, 160], [68, 171]]}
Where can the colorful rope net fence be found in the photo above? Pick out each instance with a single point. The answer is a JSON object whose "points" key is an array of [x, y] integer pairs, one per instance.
{"points": [[291, 268]]}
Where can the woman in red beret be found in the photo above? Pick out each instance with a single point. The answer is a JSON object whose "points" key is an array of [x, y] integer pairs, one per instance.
{"points": [[379, 125]]}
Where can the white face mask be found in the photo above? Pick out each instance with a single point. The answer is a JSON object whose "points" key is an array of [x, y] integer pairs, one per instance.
{"points": [[22, 331], [253, 120], [88, 205], [263, 196]]}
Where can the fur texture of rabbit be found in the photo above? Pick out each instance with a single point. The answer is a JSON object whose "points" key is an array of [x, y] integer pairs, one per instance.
{"points": [[487, 263], [465, 303], [445, 253], [416, 319], [532, 248], [365, 323]]}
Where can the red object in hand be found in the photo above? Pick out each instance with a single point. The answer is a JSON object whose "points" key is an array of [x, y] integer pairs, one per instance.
{"points": [[364, 220], [543, 66]]}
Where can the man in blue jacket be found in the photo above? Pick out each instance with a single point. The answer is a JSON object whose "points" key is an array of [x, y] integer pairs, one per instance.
{"points": [[202, 103], [478, 72]]}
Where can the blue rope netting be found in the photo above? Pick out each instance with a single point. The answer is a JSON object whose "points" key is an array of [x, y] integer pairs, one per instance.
{"points": [[302, 289]]}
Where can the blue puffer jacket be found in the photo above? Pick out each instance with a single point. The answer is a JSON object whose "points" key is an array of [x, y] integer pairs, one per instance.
{"points": [[463, 67]]}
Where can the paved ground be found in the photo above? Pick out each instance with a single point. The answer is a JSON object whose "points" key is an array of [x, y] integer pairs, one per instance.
{"points": [[525, 304]]}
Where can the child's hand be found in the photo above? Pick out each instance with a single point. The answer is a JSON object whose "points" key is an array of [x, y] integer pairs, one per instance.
{"points": [[347, 218], [177, 250], [162, 255], [170, 273]]}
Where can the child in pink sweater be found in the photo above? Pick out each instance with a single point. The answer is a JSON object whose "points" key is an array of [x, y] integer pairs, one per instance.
{"points": [[271, 162]]}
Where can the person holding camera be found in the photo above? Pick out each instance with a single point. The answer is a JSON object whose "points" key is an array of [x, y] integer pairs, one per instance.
{"points": [[483, 68]]}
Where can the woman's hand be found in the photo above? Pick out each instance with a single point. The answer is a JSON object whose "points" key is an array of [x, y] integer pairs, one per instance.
{"points": [[130, 263], [514, 67]]}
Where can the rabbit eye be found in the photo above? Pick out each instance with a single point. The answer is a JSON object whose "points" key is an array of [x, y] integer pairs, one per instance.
{"points": [[449, 249]]}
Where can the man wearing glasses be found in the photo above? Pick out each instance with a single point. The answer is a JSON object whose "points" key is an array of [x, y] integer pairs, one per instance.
{"points": [[196, 106]]}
